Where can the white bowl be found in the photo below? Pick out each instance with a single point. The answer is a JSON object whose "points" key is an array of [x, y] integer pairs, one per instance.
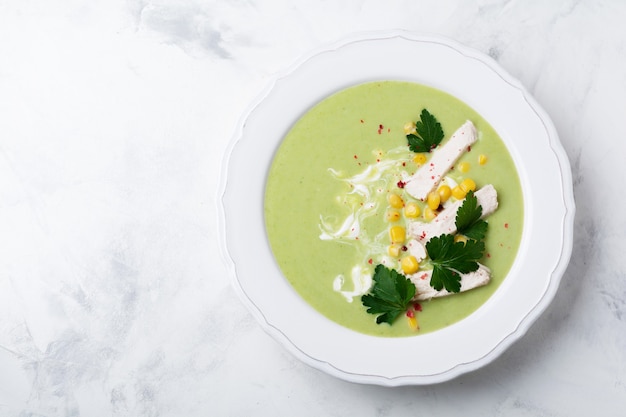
{"points": [[533, 143]]}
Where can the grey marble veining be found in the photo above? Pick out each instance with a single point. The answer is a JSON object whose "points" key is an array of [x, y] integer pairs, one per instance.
{"points": [[113, 120]]}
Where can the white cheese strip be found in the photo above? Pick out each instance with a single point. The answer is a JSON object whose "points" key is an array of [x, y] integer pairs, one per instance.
{"points": [[416, 249], [445, 222], [423, 290], [443, 158]]}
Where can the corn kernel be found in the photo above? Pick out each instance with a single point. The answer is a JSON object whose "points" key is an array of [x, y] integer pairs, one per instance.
{"points": [[420, 159], [395, 200], [412, 210], [464, 166], [409, 264], [397, 234], [460, 238], [468, 185], [444, 193], [413, 324], [393, 215], [429, 214], [433, 200], [482, 159], [394, 250], [409, 128], [458, 193]]}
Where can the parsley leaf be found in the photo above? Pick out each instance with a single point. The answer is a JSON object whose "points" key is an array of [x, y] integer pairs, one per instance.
{"points": [[391, 294], [468, 221], [429, 133], [450, 259]]}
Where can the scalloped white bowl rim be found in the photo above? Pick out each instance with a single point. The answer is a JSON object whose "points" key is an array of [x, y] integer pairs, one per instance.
{"points": [[523, 125]]}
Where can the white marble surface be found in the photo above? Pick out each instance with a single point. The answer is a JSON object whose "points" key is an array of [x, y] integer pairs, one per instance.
{"points": [[114, 115]]}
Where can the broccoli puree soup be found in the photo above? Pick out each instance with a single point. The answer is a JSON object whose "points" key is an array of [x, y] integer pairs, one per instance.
{"points": [[393, 208]]}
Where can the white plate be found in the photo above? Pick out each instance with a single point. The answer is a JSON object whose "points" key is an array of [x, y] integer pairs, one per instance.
{"points": [[548, 212]]}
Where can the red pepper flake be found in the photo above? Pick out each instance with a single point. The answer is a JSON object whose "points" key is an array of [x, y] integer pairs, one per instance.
{"points": [[404, 248], [377, 160], [404, 164], [356, 157], [410, 314], [370, 261], [417, 307], [506, 225], [424, 276], [388, 129], [469, 148], [380, 129], [488, 255], [401, 184]]}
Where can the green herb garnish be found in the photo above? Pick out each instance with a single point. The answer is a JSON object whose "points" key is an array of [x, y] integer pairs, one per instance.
{"points": [[468, 221], [450, 259], [428, 135], [390, 296]]}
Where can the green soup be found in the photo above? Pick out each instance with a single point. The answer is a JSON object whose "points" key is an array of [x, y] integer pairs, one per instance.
{"points": [[352, 134]]}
